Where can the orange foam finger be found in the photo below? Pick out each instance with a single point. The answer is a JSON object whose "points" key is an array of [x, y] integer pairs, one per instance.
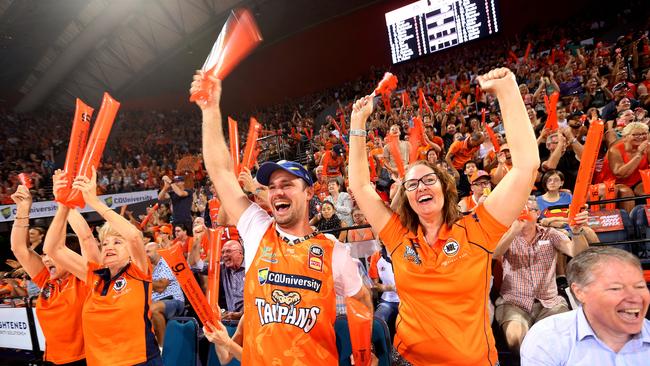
{"points": [[586, 170]]}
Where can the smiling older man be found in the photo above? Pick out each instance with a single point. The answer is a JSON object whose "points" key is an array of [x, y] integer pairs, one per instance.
{"points": [[608, 328]]}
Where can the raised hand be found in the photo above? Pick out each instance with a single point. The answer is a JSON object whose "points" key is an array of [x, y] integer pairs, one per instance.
{"points": [[23, 200], [362, 108], [87, 186], [214, 94], [59, 182], [497, 79]]}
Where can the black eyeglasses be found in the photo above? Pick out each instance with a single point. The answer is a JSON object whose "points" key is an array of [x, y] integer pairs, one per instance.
{"points": [[428, 180]]}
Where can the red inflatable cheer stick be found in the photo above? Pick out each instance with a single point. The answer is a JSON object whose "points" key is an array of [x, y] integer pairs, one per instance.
{"points": [[239, 37], [586, 170], [360, 326], [25, 180], [214, 237], [233, 134], [95, 147], [76, 147], [386, 85], [251, 142]]}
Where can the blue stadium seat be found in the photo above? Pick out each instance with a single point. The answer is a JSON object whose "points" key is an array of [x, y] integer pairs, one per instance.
{"points": [[619, 235], [380, 339], [213, 360], [642, 230], [181, 347]]}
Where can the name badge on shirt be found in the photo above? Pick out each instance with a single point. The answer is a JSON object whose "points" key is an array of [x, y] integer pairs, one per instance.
{"points": [[544, 242]]}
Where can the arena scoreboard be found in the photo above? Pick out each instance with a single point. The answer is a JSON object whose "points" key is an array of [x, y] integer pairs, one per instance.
{"points": [[427, 26]]}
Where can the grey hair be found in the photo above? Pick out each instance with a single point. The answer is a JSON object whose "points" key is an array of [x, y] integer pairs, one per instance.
{"points": [[581, 268]]}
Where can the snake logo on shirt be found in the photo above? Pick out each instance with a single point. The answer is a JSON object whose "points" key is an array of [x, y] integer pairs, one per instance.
{"points": [[283, 310]]}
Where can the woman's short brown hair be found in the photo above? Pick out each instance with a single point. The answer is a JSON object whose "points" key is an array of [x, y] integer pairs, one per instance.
{"points": [[450, 211]]}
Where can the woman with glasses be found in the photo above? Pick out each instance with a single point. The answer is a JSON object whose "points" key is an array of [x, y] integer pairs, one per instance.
{"points": [[442, 259]]}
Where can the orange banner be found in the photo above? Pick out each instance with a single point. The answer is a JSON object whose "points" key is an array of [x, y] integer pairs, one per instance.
{"points": [[177, 263], [233, 135], [251, 142], [238, 37], [214, 268], [95, 147], [586, 170], [360, 326], [76, 146]]}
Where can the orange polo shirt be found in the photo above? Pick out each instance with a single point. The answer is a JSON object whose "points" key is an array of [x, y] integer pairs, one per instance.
{"points": [[117, 317], [443, 288], [58, 300], [462, 153]]}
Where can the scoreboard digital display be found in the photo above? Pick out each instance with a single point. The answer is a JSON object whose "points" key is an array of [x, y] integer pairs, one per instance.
{"points": [[427, 26]]}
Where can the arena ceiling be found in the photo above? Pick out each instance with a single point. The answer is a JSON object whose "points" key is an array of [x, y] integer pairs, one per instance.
{"points": [[52, 51]]}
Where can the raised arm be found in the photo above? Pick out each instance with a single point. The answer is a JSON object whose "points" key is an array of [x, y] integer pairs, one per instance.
{"points": [[27, 257], [516, 184], [215, 152], [367, 198], [54, 246], [130, 233], [88, 243]]}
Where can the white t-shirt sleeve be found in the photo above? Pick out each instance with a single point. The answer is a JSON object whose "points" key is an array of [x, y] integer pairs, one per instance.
{"points": [[347, 280], [251, 226]]}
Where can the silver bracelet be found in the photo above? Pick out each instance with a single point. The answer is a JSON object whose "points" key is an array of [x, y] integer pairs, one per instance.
{"points": [[358, 132]]}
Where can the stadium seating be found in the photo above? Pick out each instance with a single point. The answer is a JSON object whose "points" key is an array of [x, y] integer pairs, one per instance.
{"points": [[380, 339], [181, 346]]}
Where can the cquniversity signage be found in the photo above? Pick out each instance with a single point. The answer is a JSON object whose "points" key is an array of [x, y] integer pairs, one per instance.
{"points": [[48, 208]]}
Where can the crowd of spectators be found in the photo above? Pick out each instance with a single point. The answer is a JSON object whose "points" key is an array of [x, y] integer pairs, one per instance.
{"points": [[595, 80]]}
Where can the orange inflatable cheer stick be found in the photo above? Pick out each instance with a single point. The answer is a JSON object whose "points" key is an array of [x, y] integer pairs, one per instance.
{"points": [[239, 37], [234, 144], [177, 263], [551, 109], [76, 147], [645, 178], [453, 102], [95, 147], [586, 170], [490, 132], [214, 237], [251, 142], [338, 128], [25, 180], [360, 326], [386, 85], [416, 138], [148, 217], [610, 193], [393, 146]]}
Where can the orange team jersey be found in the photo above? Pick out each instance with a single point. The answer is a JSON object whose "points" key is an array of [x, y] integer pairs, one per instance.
{"points": [[117, 318], [462, 153], [443, 317], [470, 202], [290, 304], [58, 309], [334, 167]]}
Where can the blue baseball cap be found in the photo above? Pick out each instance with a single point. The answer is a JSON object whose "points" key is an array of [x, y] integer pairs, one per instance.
{"points": [[264, 173]]}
